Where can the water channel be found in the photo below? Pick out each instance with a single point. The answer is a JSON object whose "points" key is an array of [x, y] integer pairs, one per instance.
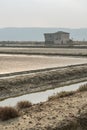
{"points": [[39, 96]]}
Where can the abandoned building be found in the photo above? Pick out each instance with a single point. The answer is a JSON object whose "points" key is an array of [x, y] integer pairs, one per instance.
{"points": [[58, 38]]}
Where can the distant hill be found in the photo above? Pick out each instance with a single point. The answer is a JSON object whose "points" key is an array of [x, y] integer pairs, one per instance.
{"points": [[36, 34]]}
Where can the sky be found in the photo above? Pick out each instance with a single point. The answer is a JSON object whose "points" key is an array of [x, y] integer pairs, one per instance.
{"points": [[43, 13]]}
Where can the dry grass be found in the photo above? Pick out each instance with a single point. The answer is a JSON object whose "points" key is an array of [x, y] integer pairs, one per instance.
{"points": [[82, 88], [24, 104], [61, 95], [7, 113], [70, 93]]}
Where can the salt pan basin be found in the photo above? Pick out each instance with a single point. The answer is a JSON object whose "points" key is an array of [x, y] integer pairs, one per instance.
{"points": [[16, 63]]}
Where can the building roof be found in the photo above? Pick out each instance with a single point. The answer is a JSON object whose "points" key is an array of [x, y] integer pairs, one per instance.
{"points": [[59, 32]]}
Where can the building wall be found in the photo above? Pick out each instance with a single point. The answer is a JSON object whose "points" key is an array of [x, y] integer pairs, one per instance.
{"points": [[57, 38], [49, 38], [64, 38]]}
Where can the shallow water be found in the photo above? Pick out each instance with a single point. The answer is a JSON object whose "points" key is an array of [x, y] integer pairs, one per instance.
{"points": [[39, 96], [17, 63]]}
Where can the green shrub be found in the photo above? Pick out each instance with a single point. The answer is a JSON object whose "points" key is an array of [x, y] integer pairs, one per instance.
{"points": [[24, 104], [7, 113]]}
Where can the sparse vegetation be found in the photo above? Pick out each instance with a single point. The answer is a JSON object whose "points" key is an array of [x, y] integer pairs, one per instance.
{"points": [[70, 93], [82, 88], [7, 113], [24, 104], [61, 95]]}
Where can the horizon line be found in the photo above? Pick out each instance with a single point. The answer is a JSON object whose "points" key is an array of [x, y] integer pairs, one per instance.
{"points": [[46, 27]]}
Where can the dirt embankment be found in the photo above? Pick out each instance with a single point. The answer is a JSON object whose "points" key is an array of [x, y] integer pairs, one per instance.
{"points": [[67, 113], [43, 80], [45, 51]]}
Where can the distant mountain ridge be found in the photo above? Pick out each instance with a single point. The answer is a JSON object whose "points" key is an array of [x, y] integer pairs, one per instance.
{"points": [[37, 34]]}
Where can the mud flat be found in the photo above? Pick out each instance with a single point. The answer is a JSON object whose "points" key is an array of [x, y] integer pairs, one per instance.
{"points": [[43, 80], [67, 113]]}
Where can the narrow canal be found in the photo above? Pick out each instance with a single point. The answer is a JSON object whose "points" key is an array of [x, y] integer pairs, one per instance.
{"points": [[40, 96]]}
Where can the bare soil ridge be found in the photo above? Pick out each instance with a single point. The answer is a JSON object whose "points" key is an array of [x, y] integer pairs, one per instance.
{"points": [[80, 52], [44, 80], [67, 113]]}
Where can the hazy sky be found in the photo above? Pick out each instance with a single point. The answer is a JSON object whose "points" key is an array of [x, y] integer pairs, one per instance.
{"points": [[43, 13]]}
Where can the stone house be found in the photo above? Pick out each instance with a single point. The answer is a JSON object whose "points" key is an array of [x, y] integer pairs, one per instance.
{"points": [[58, 38]]}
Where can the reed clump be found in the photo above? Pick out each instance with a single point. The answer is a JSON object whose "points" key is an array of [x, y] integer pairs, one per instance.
{"points": [[7, 113], [82, 88], [24, 104]]}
